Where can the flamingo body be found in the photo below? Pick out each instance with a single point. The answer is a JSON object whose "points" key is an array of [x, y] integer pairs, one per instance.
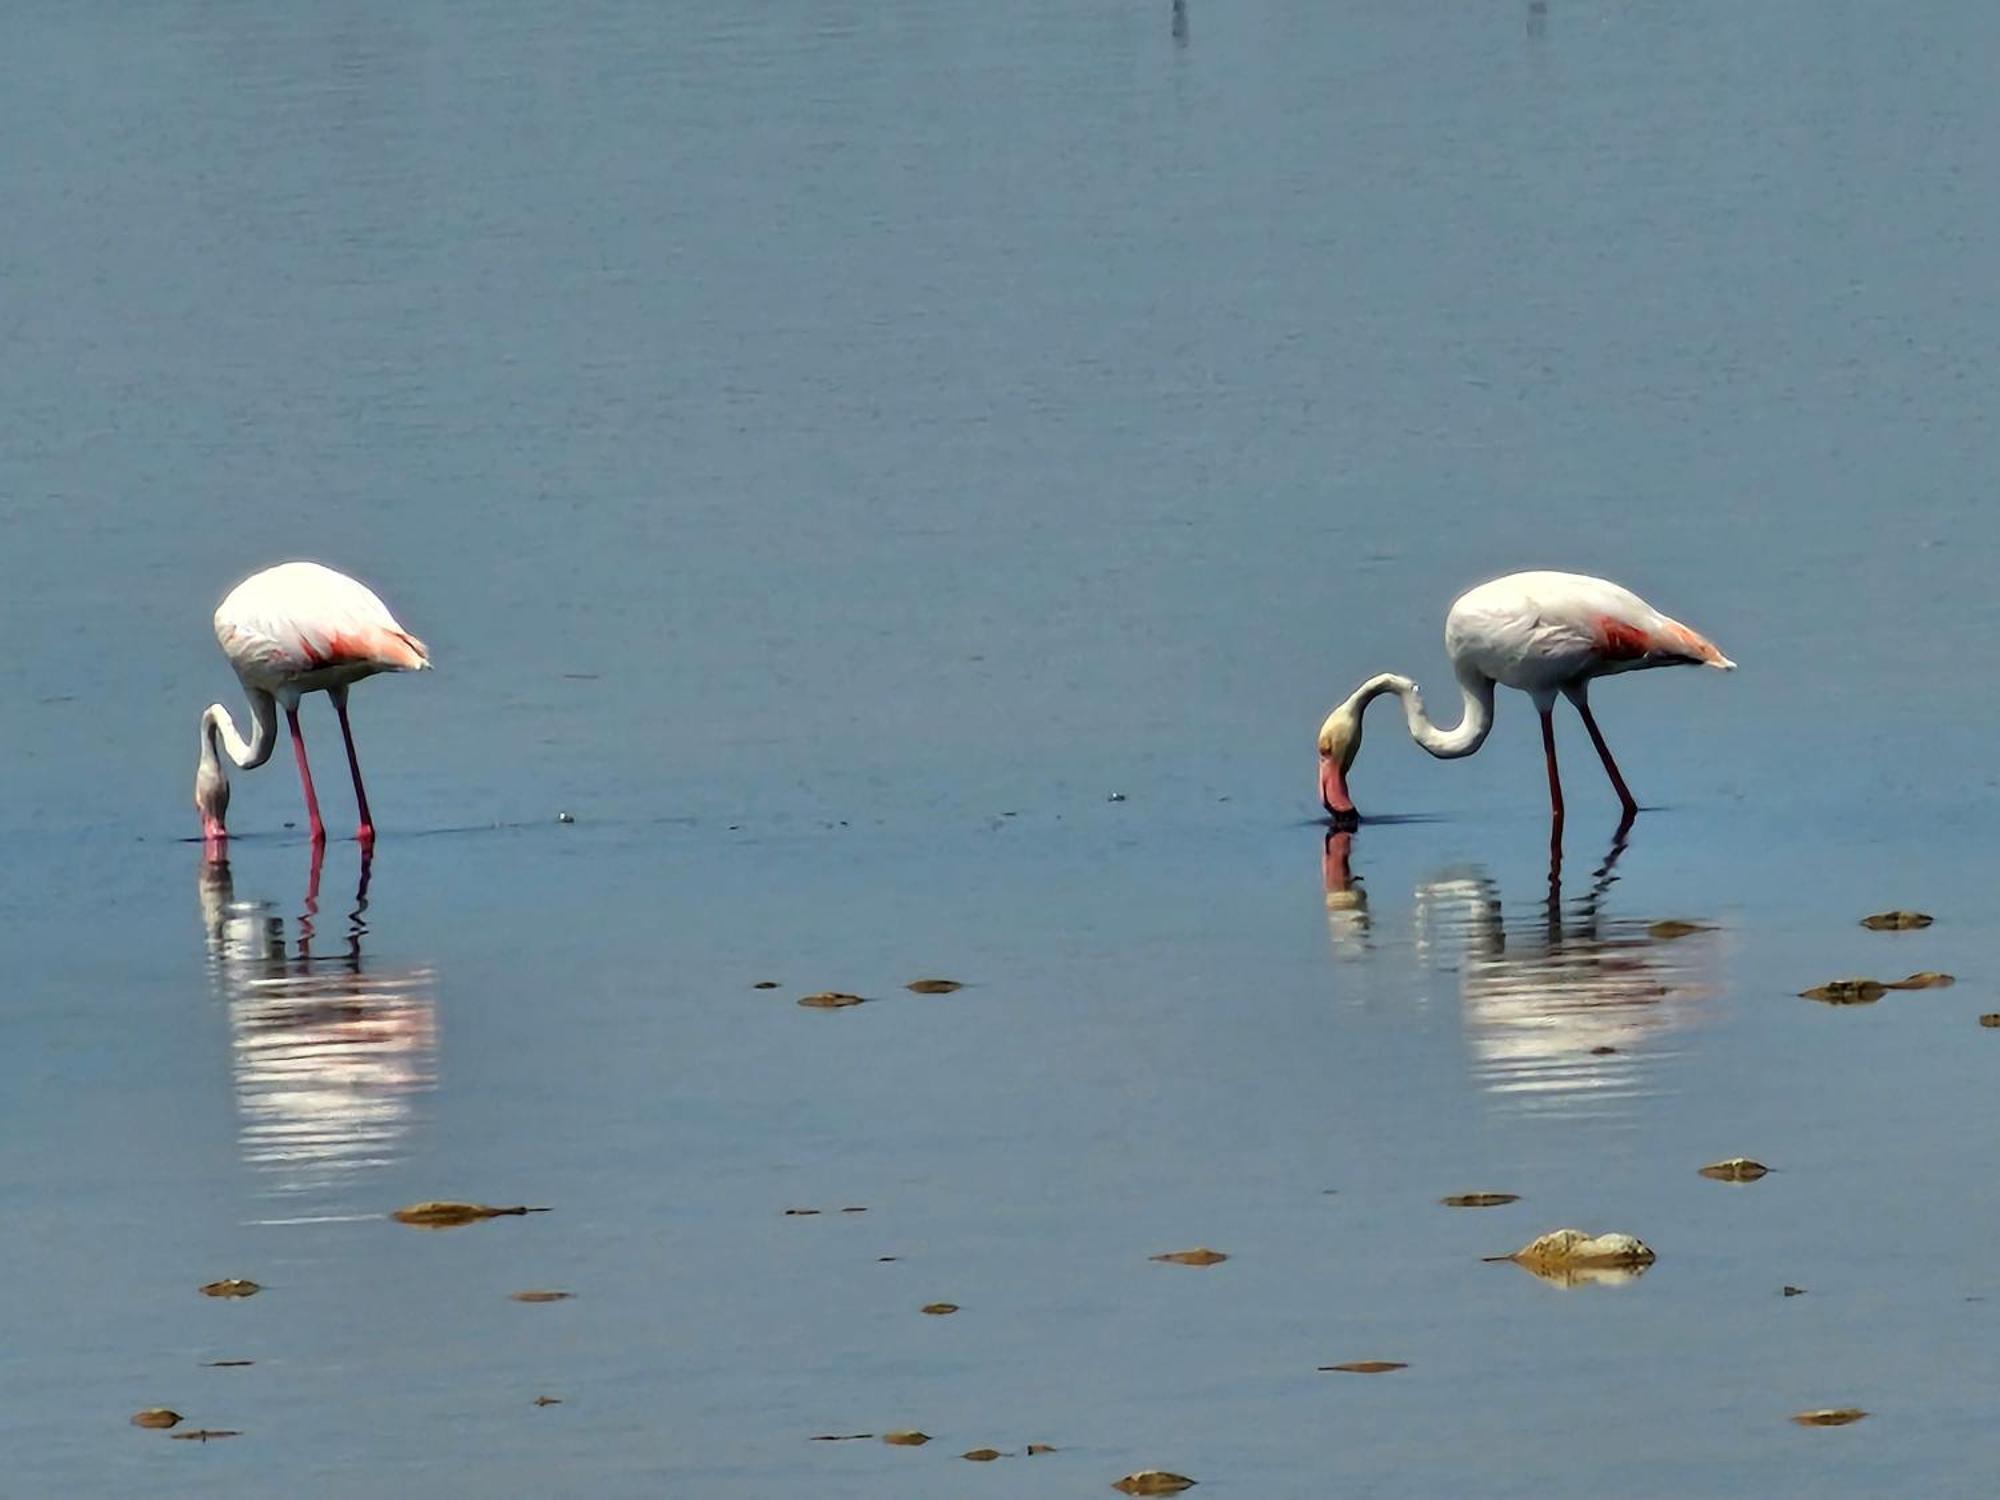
{"points": [[1542, 633], [294, 629]]}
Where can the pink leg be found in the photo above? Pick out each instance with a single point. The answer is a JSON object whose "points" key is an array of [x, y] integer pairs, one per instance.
{"points": [[1549, 749], [366, 833], [305, 776], [1604, 754]]}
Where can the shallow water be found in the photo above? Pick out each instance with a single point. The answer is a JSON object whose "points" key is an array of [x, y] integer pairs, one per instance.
{"points": [[831, 451]]}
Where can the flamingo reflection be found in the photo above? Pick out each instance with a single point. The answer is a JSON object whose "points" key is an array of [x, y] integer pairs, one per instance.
{"points": [[1565, 1004], [328, 1052]]}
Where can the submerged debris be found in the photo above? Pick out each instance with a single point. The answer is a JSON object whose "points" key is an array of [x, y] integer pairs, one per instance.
{"points": [[940, 1309], [1479, 1200], [1035, 1449], [1793, 1291], [1667, 931], [840, 1437], [1366, 1367], [1847, 992], [1991, 1018], [982, 1455], [233, 1286], [765, 984], [541, 1296], [933, 986], [1896, 921], [1195, 1257], [831, 1000], [156, 1416], [203, 1434], [227, 1364], [1736, 1169], [1923, 979], [906, 1437], [445, 1214], [1153, 1482], [548, 1401]]}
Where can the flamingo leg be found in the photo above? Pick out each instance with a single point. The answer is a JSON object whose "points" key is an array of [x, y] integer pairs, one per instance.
{"points": [[1604, 754], [366, 833], [305, 775], [1549, 750]]}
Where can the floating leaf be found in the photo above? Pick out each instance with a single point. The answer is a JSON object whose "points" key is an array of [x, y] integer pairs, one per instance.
{"points": [[445, 1214], [1036, 1449], [156, 1416], [940, 1309], [1847, 992], [765, 984], [831, 1000], [203, 1434], [1673, 928], [1367, 1367], [1479, 1200], [1571, 1257], [541, 1296], [1795, 1291], [233, 1286], [1196, 1257], [1736, 1169], [1832, 1416], [933, 986], [800, 1213], [1991, 1018], [1923, 979], [548, 1401], [1895, 921], [982, 1455], [1153, 1482], [906, 1437], [841, 1437]]}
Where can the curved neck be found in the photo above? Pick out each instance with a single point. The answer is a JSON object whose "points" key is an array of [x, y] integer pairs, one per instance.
{"points": [[1474, 724], [217, 725]]}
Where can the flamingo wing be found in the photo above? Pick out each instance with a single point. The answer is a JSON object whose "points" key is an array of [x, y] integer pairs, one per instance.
{"points": [[300, 618]]}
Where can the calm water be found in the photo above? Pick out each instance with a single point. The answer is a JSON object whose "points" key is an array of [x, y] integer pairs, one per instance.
{"points": [[830, 450]]}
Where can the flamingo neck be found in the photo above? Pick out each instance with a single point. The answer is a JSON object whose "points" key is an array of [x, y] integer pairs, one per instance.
{"points": [[216, 725], [1474, 724]]}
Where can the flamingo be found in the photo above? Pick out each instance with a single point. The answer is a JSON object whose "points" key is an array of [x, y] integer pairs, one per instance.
{"points": [[1543, 633], [290, 630]]}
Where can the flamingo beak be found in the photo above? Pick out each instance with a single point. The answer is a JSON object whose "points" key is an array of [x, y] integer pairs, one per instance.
{"points": [[1333, 789]]}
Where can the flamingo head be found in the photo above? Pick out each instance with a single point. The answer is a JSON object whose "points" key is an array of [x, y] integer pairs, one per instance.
{"points": [[1339, 743], [211, 797]]}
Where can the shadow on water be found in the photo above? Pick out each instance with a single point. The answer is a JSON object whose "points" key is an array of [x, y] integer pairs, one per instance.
{"points": [[1565, 1004], [328, 1053]]}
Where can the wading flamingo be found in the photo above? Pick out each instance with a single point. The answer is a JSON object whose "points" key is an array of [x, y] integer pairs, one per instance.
{"points": [[290, 630], [1543, 633]]}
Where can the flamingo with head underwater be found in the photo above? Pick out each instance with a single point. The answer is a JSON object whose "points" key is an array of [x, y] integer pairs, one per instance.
{"points": [[290, 630], [1542, 633]]}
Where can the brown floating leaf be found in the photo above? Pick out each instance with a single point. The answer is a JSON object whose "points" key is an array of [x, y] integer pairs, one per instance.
{"points": [[1847, 992], [1923, 979], [906, 1437], [1367, 1367], [1197, 1257], [156, 1416], [1570, 1255], [765, 984], [1895, 921], [940, 1309], [1795, 1291], [1736, 1169], [233, 1286], [983, 1455], [841, 1437], [541, 1296], [1673, 928], [933, 986], [1991, 1018], [1479, 1200], [1832, 1416], [203, 1434], [1153, 1482], [446, 1214], [1035, 1449], [831, 1000]]}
